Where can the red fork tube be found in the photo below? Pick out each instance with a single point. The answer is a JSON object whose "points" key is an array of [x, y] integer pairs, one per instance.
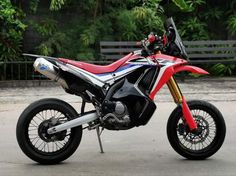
{"points": [[179, 99], [188, 115]]}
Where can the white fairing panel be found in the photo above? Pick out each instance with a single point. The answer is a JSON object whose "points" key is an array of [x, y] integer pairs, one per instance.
{"points": [[101, 79], [164, 65]]}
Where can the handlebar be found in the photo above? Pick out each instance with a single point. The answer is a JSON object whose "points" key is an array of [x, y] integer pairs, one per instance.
{"points": [[170, 43], [153, 43]]}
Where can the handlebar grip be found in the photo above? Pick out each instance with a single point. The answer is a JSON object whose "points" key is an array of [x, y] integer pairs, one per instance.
{"points": [[151, 38]]}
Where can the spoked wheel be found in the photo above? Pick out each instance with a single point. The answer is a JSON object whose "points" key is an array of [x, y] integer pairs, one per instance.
{"points": [[32, 134], [202, 143]]}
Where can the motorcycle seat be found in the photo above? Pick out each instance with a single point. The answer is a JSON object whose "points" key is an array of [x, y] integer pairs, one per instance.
{"points": [[97, 69]]}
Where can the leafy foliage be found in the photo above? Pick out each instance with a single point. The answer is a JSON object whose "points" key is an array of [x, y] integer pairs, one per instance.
{"points": [[183, 5], [115, 21], [53, 45], [126, 26], [34, 5], [45, 27], [12, 27], [192, 5], [214, 13], [89, 35], [193, 29], [147, 20], [57, 4], [11, 31], [232, 24], [223, 70], [89, 21]]}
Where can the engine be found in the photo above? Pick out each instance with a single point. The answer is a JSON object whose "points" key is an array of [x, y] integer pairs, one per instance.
{"points": [[127, 103], [116, 116]]}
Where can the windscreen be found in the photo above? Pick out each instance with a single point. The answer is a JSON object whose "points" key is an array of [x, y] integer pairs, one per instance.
{"points": [[178, 40]]}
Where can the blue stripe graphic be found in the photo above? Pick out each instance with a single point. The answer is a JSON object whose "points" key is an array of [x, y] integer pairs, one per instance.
{"points": [[118, 70], [124, 68]]}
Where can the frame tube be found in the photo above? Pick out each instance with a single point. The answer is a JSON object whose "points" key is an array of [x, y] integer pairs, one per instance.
{"points": [[73, 123]]}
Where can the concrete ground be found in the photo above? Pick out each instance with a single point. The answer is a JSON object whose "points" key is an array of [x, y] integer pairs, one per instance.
{"points": [[139, 151]]}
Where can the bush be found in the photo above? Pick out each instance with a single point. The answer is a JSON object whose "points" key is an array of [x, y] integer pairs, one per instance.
{"points": [[11, 31]]}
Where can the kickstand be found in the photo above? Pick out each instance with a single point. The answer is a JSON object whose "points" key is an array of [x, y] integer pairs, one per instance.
{"points": [[99, 138]]}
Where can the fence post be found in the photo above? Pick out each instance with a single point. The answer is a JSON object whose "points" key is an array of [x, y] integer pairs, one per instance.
{"points": [[26, 64], [5, 71], [19, 71]]}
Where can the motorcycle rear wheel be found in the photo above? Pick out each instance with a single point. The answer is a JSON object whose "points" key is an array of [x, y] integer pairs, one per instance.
{"points": [[32, 136], [203, 143]]}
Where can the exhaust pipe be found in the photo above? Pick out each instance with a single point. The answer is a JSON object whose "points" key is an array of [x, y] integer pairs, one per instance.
{"points": [[49, 70]]}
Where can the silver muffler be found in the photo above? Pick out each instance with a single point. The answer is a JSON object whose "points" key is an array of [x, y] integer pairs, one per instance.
{"points": [[49, 70]]}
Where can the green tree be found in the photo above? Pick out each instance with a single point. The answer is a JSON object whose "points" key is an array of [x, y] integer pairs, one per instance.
{"points": [[11, 31], [96, 20]]}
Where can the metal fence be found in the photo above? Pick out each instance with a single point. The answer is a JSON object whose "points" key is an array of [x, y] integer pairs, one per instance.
{"points": [[18, 70], [23, 70]]}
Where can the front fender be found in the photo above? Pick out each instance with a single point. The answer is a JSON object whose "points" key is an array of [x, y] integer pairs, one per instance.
{"points": [[189, 68]]}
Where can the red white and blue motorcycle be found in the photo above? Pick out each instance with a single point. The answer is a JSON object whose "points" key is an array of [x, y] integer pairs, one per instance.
{"points": [[122, 93]]}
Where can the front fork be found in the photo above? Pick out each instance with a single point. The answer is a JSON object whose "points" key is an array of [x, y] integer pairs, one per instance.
{"points": [[179, 99]]}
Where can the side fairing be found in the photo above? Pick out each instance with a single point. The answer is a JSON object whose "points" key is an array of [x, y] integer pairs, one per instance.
{"points": [[135, 62], [164, 75], [119, 73], [168, 67]]}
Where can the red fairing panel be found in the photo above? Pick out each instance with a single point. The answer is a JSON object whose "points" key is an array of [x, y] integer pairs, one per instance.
{"points": [[192, 69], [188, 115], [166, 72], [165, 77], [173, 59], [169, 70]]}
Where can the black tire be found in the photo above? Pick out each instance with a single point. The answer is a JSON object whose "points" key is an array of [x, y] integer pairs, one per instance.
{"points": [[29, 126], [197, 146]]}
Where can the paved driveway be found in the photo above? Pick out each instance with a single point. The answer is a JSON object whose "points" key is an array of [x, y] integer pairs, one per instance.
{"points": [[139, 151]]}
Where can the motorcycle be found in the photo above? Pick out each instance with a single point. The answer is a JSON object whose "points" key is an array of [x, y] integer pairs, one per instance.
{"points": [[50, 130]]}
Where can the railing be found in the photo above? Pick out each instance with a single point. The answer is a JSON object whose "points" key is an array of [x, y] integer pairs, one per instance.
{"points": [[18, 70], [203, 52], [23, 70], [199, 52]]}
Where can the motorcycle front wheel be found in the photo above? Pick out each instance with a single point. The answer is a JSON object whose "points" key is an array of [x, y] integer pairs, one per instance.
{"points": [[202, 143], [32, 136]]}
